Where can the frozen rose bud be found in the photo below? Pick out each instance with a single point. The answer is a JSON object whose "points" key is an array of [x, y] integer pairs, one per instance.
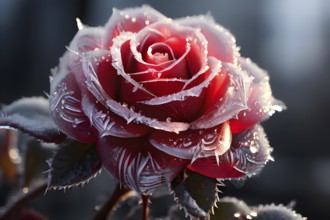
{"points": [[158, 95]]}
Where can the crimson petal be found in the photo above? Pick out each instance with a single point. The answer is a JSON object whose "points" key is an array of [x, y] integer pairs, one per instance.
{"points": [[65, 107], [261, 104], [193, 144], [135, 163], [248, 154], [130, 20], [225, 49], [109, 124]]}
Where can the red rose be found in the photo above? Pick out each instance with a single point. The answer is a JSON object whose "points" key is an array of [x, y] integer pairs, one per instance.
{"points": [[158, 95]]}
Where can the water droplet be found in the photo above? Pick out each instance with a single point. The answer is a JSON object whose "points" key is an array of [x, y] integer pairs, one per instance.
{"points": [[25, 190], [168, 119], [133, 19], [254, 148], [134, 89], [147, 22]]}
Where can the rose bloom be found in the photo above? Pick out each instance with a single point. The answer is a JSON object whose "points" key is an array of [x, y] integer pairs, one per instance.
{"points": [[158, 96]]}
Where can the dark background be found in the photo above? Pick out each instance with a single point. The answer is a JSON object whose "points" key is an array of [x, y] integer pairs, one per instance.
{"points": [[289, 38]]}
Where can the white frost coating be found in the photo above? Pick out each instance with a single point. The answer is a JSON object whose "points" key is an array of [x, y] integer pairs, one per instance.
{"points": [[144, 13], [215, 67], [117, 63], [130, 115], [87, 39], [234, 101], [265, 100], [214, 143], [123, 111], [215, 34], [253, 152]]}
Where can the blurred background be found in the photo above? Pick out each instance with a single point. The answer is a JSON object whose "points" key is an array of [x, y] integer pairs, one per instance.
{"points": [[289, 38]]}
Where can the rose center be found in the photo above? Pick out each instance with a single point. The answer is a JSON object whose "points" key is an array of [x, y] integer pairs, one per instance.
{"points": [[159, 53]]}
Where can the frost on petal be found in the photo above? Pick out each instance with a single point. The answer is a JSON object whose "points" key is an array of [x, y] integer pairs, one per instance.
{"points": [[132, 20], [248, 154], [221, 43], [234, 100], [109, 124], [87, 39], [31, 116], [65, 107], [130, 115], [137, 164], [184, 45], [214, 67], [122, 110], [261, 103], [193, 144]]}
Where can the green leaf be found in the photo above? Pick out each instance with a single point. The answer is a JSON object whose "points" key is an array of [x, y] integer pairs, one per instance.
{"points": [[74, 163], [195, 193]]}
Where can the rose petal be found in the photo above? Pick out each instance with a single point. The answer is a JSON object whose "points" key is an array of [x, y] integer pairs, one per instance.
{"points": [[137, 164], [132, 20], [248, 154], [214, 67], [234, 101], [221, 43], [122, 110], [193, 144], [109, 124], [187, 44], [261, 103], [65, 107]]}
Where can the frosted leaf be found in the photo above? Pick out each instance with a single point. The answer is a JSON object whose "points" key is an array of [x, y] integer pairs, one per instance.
{"points": [[73, 164], [234, 101], [136, 164], [225, 49], [31, 116], [215, 68]]}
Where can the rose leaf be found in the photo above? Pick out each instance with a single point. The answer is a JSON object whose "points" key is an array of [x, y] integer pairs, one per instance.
{"points": [[73, 164], [31, 116], [196, 193], [36, 154], [231, 208]]}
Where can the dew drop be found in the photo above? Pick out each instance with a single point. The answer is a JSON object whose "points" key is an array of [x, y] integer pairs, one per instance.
{"points": [[254, 148], [134, 89], [147, 22], [133, 19], [168, 119], [25, 190]]}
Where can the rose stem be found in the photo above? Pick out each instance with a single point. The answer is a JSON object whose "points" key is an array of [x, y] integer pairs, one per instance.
{"points": [[145, 202], [15, 208], [118, 195]]}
